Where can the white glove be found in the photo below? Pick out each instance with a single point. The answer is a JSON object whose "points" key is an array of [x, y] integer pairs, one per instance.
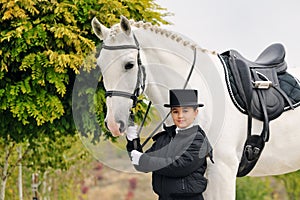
{"points": [[135, 157], [131, 133]]}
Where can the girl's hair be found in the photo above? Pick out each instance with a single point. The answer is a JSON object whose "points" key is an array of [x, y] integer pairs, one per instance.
{"points": [[194, 107]]}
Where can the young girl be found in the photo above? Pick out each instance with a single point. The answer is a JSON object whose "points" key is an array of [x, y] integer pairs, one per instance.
{"points": [[177, 158]]}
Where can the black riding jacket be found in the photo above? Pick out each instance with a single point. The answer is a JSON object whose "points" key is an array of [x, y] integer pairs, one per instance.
{"points": [[178, 162]]}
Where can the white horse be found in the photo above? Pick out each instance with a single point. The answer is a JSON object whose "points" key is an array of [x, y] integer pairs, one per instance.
{"points": [[166, 60]]}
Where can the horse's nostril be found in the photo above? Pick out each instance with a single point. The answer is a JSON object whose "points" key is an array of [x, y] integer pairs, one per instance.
{"points": [[122, 126]]}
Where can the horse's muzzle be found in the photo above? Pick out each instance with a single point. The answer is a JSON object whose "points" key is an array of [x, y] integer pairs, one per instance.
{"points": [[116, 128]]}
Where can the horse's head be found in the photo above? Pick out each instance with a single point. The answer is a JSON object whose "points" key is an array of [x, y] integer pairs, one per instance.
{"points": [[122, 72]]}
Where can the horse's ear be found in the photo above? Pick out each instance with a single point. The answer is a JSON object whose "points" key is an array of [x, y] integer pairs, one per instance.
{"points": [[100, 30], [125, 25]]}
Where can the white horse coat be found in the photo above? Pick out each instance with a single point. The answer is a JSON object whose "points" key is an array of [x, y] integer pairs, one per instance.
{"points": [[167, 58]]}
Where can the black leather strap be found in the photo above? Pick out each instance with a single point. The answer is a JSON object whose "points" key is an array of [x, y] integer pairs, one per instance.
{"points": [[121, 94]]}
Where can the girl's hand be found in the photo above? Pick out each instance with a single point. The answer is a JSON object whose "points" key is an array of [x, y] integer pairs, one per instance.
{"points": [[135, 157], [131, 133]]}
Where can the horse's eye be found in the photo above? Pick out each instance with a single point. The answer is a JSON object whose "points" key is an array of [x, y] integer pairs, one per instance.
{"points": [[129, 65]]}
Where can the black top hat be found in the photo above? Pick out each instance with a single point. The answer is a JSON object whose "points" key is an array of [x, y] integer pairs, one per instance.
{"points": [[185, 97]]}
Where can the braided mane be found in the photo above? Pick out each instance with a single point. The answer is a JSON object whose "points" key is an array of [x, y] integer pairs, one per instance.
{"points": [[158, 30]]}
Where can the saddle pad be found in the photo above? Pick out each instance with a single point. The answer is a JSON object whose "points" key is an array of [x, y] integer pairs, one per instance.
{"points": [[288, 83]]}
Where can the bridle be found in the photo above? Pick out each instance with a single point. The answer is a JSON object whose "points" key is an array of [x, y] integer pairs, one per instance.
{"points": [[141, 76], [140, 84]]}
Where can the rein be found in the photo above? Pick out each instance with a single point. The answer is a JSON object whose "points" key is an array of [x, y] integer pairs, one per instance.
{"points": [[165, 118], [140, 84]]}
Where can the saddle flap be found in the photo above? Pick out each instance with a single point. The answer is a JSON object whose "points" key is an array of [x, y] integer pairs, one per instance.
{"points": [[244, 80], [270, 96], [250, 79]]}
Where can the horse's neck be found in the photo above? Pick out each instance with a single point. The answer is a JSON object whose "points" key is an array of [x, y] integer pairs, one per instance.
{"points": [[166, 60], [168, 64], [155, 44]]}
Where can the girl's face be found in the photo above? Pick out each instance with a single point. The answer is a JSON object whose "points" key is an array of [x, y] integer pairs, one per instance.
{"points": [[183, 116]]}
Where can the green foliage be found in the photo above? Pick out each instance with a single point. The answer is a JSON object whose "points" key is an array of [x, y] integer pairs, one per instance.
{"points": [[43, 47], [274, 187], [55, 184], [146, 10], [249, 188], [291, 182]]}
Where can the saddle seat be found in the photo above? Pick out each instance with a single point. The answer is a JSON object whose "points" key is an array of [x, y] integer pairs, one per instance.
{"points": [[272, 56]]}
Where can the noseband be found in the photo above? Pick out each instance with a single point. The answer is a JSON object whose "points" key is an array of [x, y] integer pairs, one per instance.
{"points": [[140, 84]]}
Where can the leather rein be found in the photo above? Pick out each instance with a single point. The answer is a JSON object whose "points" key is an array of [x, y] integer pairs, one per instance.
{"points": [[140, 84]]}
